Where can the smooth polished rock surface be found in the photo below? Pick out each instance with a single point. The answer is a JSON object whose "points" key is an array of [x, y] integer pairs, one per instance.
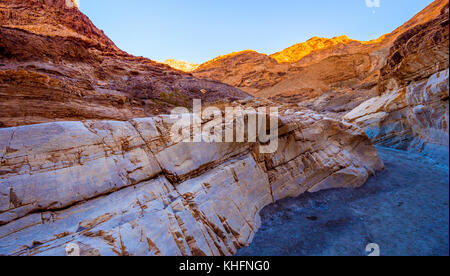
{"points": [[404, 210], [412, 109], [124, 188]]}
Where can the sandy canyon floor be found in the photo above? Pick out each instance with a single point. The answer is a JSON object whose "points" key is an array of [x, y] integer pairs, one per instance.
{"points": [[405, 210]]}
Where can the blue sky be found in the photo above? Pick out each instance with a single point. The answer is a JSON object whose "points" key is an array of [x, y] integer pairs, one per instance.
{"points": [[199, 30]]}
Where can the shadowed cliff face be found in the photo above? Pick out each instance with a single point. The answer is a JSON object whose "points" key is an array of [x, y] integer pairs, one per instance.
{"points": [[52, 18], [247, 70], [412, 110], [328, 75], [418, 53], [267, 76], [56, 65], [122, 186], [395, 86]]}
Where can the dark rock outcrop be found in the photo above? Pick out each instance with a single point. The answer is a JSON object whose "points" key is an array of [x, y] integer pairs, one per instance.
{"points": [[412, 110], [331, 76], [56, 65]]}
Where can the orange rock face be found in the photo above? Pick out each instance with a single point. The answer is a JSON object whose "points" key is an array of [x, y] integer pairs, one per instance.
{"points": [[124, 186], [335, 68], [328, 75], [297, 52], [55, 65], [248, 70], [412, 109], [181, 65]]}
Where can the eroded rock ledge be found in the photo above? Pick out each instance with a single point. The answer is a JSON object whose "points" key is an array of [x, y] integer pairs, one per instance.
{"points": [[412, 109], [123, 188], [412, 118]]}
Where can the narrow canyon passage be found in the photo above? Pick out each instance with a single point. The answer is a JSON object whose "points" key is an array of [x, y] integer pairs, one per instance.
{"points": [[104, 153], [404, 210]]}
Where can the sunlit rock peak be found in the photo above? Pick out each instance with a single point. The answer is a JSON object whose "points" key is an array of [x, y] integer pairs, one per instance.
{"points": [[181, 65], [301, 50]]}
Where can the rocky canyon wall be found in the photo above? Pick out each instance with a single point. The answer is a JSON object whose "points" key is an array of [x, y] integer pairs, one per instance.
{"points": [[412, 110], [395, 87], [339, 68], [334, 76], [86, 156], [55, 65], [125, 188]]}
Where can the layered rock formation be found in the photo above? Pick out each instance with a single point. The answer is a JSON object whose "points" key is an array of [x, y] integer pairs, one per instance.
{"points": [[412, 111], [270, 76], [248, 70], [331, 76], [395, 87], [125, 188], [87, 159], [301, 72], [122, 186], [55, 65]]}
